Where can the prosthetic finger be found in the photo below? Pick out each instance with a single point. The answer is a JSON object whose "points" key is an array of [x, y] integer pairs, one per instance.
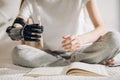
{"points": [[28, 38], [33, 26], [30, 32]]}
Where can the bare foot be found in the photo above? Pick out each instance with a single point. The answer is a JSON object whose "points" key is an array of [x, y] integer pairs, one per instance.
{"points": [[109, 62]]}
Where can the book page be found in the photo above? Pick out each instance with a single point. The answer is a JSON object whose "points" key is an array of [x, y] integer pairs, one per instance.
{"points": [[95, 68], [74, 68], [46, 71], [78, 72]]}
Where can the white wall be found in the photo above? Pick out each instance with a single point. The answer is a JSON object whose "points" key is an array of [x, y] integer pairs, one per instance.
{"points": [[110, 11]]}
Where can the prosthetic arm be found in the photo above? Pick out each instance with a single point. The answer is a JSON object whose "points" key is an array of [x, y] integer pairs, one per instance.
{"points": [[19, 30]]}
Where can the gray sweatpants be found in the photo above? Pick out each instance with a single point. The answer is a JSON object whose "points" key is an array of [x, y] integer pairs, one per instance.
{"points": [[106, 47]]}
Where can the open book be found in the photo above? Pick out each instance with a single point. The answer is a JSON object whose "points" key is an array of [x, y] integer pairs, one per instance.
{"points": [[76, 69]]}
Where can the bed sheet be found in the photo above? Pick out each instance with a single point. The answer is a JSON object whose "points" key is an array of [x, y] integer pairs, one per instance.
{"points": [[12, 72]]}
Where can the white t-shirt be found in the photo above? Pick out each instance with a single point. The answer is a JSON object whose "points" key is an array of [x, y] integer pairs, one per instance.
{"points": [[59, 17]]}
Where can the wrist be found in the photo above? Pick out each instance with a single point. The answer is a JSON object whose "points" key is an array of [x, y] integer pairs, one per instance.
{"points": [[14, 33], [17, 25], [81, 40], [19, 22]]}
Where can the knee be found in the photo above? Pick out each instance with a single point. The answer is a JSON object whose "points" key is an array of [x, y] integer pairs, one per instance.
{"points": [[112, 38], [31, 57], [105, 48], [112, 42], [16, 57], [19, 57]]}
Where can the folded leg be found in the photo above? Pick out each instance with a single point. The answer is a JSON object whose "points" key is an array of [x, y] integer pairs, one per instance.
{"points": [[106, 47], [31, 57]]}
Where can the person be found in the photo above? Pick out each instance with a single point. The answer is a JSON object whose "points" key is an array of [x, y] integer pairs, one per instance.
{"points": [[64, 41]]}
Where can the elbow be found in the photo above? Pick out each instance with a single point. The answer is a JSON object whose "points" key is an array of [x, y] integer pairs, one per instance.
{"points": [[102, 28]]}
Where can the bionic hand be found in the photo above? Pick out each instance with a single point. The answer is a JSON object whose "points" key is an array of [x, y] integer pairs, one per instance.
{"points": [[19, 30]]}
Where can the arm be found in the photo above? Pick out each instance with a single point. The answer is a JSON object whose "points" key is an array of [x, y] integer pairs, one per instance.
{"points": [[20, 30], [72, 42], [100, 28]]}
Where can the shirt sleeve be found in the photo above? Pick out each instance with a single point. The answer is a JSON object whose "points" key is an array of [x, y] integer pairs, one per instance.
{"points": [[25, 10]]}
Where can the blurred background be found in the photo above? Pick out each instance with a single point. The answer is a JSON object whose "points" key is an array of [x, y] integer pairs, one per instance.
{"points": [[110, 11]]}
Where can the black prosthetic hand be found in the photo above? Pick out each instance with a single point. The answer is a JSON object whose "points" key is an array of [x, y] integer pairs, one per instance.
{"points": [[32, 32], [19, 30]]}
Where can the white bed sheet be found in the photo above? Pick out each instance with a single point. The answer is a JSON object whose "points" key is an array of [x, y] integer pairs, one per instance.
{"points": [[12, 72]]}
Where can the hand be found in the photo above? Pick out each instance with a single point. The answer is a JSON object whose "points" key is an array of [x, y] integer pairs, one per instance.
{"points": [[32, 32], [70, 42], [109, 62]]}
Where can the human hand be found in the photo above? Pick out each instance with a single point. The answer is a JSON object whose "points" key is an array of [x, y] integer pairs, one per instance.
{"points": [[70, 42], [32, 32]]}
